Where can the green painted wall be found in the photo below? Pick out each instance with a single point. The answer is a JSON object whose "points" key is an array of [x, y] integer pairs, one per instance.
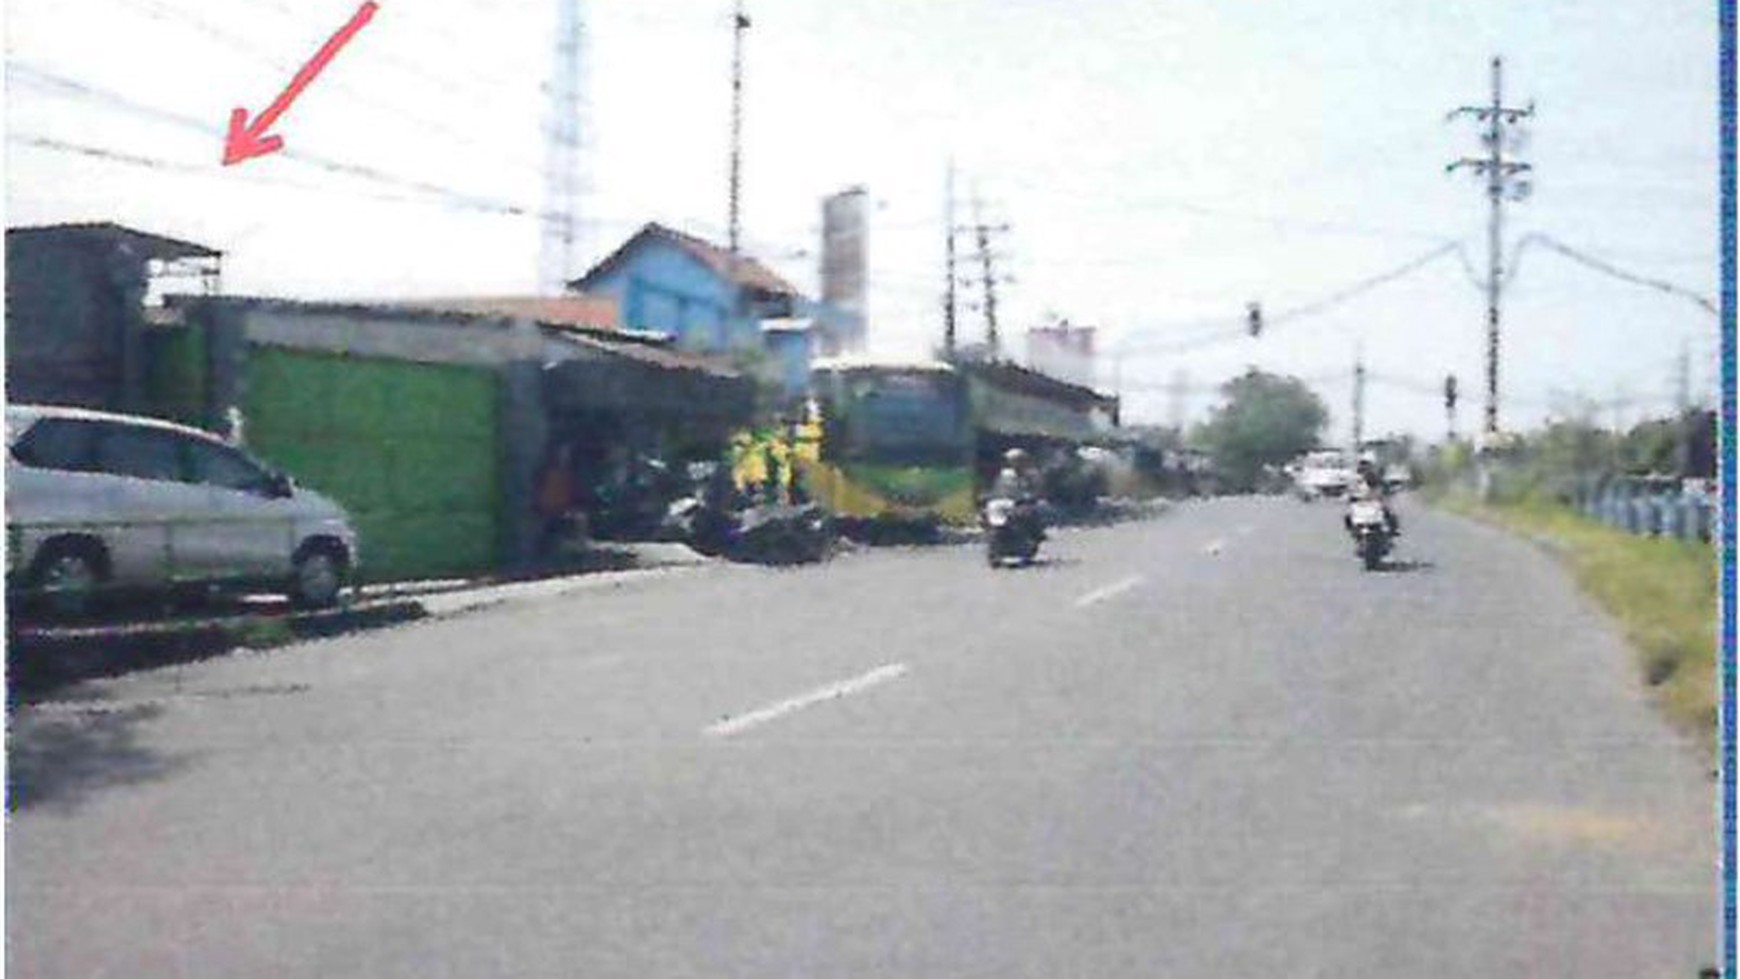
{"points": [[411, 450], [175, 374]]}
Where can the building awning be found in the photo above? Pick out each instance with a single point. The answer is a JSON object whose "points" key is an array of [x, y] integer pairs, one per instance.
{"points": [[613, 375]]}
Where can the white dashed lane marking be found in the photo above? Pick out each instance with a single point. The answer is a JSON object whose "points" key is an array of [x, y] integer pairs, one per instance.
{"points": [[728, 725], [1112, 590]]}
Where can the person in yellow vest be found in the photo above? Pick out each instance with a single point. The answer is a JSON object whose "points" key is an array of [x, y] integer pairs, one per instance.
{"points": [[806, 456], [748, 466]]}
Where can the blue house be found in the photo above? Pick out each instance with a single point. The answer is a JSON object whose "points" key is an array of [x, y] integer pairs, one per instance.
{"points": [[666, 281]]}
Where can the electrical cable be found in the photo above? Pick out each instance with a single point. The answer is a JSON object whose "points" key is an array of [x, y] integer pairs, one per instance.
{"points": [[1236, 327], [1606, 268], [166, 13], [478, 202]]}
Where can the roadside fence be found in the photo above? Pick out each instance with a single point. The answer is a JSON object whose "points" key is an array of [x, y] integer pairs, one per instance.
{"points": [[1649, 506]]}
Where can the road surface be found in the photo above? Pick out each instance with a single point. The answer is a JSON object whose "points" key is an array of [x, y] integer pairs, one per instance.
{"points": [[1205, 744]]}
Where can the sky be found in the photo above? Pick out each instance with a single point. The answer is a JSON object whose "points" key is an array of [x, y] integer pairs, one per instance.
{"points": [[1157, 165]]}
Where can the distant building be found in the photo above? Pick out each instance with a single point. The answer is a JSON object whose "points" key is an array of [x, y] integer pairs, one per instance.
{"points": [[791, 348], [845, 260], [669, 282], [1063, 351], [77, 317]]}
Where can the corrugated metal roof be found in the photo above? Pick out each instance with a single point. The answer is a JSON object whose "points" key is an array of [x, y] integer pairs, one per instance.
{"points": [[656, 356], [149, 245], [621, 343], [858, 362]]}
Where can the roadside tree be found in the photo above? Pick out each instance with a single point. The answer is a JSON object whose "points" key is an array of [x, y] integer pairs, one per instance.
{"points": [[1267, 420]]}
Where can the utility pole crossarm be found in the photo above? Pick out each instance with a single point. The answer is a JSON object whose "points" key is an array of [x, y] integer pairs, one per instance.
{"points": [[1505, 167]]}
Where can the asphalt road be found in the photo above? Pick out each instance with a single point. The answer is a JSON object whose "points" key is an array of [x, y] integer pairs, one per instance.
{"points": [[1206, 744]]}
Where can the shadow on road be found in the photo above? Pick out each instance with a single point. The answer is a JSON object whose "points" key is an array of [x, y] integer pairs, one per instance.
{"points": [[1044, 562], [58, 759], [41, 663], [1405, 567]]}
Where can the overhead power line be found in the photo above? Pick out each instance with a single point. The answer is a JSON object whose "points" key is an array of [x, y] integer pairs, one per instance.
{"points": [[1607, 268], [198, 170], [115, 100], [446, 79], [1311, 225], [1232, 327], [165, 13], [1363, 286]]}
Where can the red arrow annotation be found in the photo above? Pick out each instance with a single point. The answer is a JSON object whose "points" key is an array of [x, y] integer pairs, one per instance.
{"points": [[246, 139]]}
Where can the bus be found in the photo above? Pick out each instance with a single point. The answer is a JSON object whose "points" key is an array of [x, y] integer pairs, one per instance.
{"points": [[897, 443]]}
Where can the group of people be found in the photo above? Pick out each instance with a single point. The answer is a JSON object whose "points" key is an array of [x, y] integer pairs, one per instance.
{"points": [[576, 497]]}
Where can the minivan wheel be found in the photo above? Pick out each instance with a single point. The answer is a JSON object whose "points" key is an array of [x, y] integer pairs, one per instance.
{"points": [[318, 579], [66, 577]]}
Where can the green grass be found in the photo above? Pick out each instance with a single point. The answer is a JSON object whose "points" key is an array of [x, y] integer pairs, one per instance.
{"points": [[1662, 592]]}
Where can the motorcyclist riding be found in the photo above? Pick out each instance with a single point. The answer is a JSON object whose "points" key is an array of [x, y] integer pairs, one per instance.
{"points": [[1368, 484], [1016, 480], [1017, 484]]}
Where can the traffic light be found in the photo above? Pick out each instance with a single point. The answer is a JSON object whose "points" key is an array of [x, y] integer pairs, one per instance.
{"points": [[1254, 318], [1450, 392]]}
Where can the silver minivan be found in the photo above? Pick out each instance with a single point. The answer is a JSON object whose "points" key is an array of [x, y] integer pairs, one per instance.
{"points": [[99, 502]]}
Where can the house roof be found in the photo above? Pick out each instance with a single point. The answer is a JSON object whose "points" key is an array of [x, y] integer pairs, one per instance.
{"points": [[628, 345], [160, 247], [573, 310], [750, 273]]}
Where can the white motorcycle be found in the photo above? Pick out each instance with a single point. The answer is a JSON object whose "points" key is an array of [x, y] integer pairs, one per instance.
{"points": [[1369, 523]]}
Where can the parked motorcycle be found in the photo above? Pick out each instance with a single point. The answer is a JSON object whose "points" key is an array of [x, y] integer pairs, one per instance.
{"points": [[783, 534], [1370, 527], [635, 503], [715, 521], [1013, 531]]}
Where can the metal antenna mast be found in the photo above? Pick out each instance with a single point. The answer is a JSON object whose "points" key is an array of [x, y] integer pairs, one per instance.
{"points": [[559, 223], [739, 24], [1500, 174]]}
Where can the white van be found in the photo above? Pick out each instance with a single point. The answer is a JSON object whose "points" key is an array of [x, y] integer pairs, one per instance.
{"points": [[1322, 474], [99, 502]]}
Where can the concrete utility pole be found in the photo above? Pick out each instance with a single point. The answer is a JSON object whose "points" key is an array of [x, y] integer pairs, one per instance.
{"points": [[1175, 394], [1683, 379], [1450, 407], [1502, 181], [1358, 399], [950, 280], [982, 236]]}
